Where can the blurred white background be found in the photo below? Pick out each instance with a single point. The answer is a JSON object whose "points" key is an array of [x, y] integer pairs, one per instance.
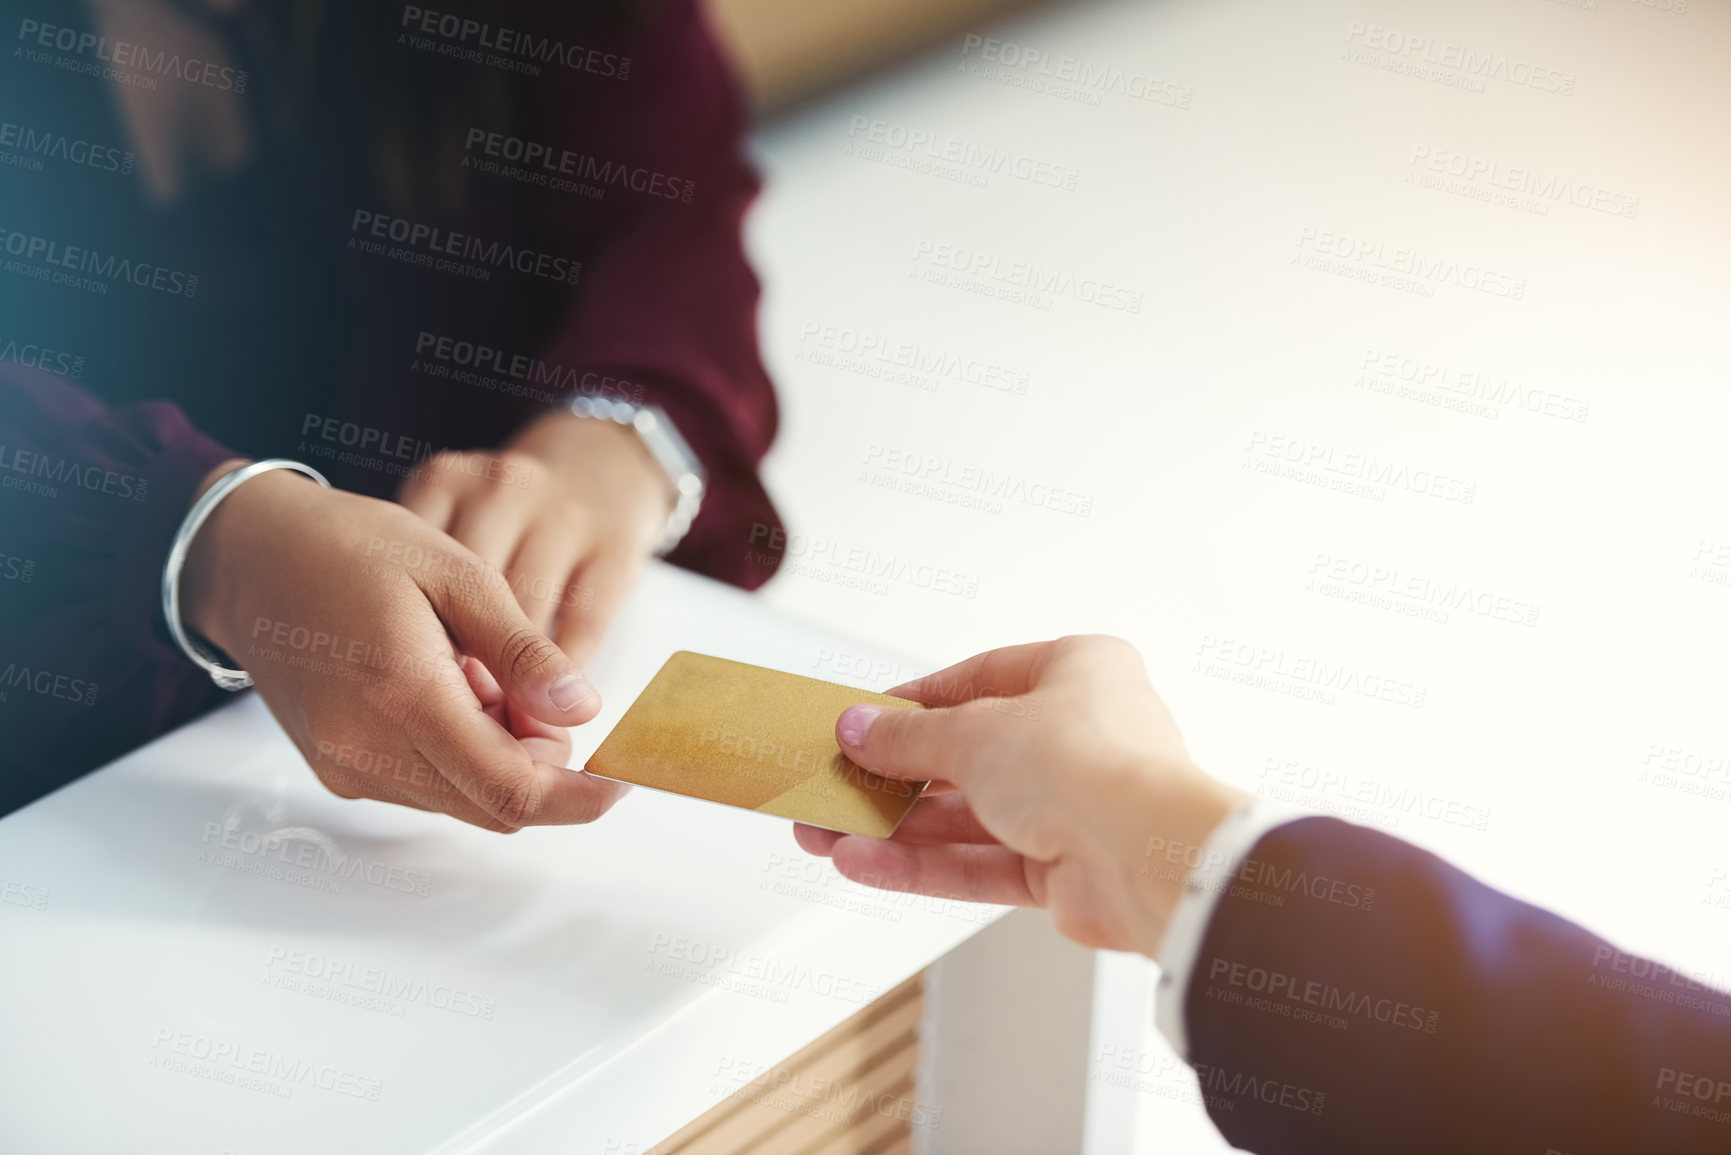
{"points": [[1531, 681]]}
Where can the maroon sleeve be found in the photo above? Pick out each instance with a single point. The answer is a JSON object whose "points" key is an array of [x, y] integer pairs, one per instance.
{"points": [[90, 498], [667, 302]]}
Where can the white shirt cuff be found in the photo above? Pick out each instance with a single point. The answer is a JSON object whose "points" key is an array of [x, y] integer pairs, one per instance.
{"points": [[1222, 855]]}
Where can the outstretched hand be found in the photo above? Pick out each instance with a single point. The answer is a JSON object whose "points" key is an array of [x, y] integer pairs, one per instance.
{"points": [[1055, 767]]}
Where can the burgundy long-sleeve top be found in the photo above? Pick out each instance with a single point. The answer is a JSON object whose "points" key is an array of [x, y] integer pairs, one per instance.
{"points": [[286, 308]]}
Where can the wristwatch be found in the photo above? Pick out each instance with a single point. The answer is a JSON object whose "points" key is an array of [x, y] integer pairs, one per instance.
{"points": [[670, 451]]}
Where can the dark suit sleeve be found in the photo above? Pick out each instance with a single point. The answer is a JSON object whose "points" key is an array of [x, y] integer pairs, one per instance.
{"points": [[1356, 994]]}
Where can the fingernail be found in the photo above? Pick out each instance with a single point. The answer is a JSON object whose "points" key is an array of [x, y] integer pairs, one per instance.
{"points": [[571, 691], [855, 721]]}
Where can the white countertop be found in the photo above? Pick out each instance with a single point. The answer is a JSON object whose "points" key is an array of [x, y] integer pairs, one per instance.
{"points": [[206, 952], [1278, 446]]}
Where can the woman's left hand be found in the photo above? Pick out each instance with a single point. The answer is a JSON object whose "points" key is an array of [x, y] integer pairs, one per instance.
{"points": [[568, 510]]}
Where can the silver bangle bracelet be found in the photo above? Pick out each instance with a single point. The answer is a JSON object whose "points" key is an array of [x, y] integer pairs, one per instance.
{"points": [[224, 677]]}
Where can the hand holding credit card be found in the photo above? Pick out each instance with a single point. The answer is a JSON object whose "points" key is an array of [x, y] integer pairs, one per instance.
{"points": [[754, 738]]}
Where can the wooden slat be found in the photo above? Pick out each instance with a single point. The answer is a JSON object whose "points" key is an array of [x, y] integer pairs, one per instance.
{"points": [[850, 1107], [886, 1004], [872, 1131], [790, 49], [840, 1051], [760, 1110], [849, 1052]]}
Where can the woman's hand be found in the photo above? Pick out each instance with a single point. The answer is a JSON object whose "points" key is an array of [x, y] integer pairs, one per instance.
{"points": [[1055, 769], [568, 511], [397, 661]]}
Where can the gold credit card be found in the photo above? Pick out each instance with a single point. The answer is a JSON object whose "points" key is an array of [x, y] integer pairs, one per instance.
{"points": [[753, 738]]}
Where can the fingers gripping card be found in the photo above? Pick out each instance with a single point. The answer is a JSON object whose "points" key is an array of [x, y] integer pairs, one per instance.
{"points": [[754, 738]]}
